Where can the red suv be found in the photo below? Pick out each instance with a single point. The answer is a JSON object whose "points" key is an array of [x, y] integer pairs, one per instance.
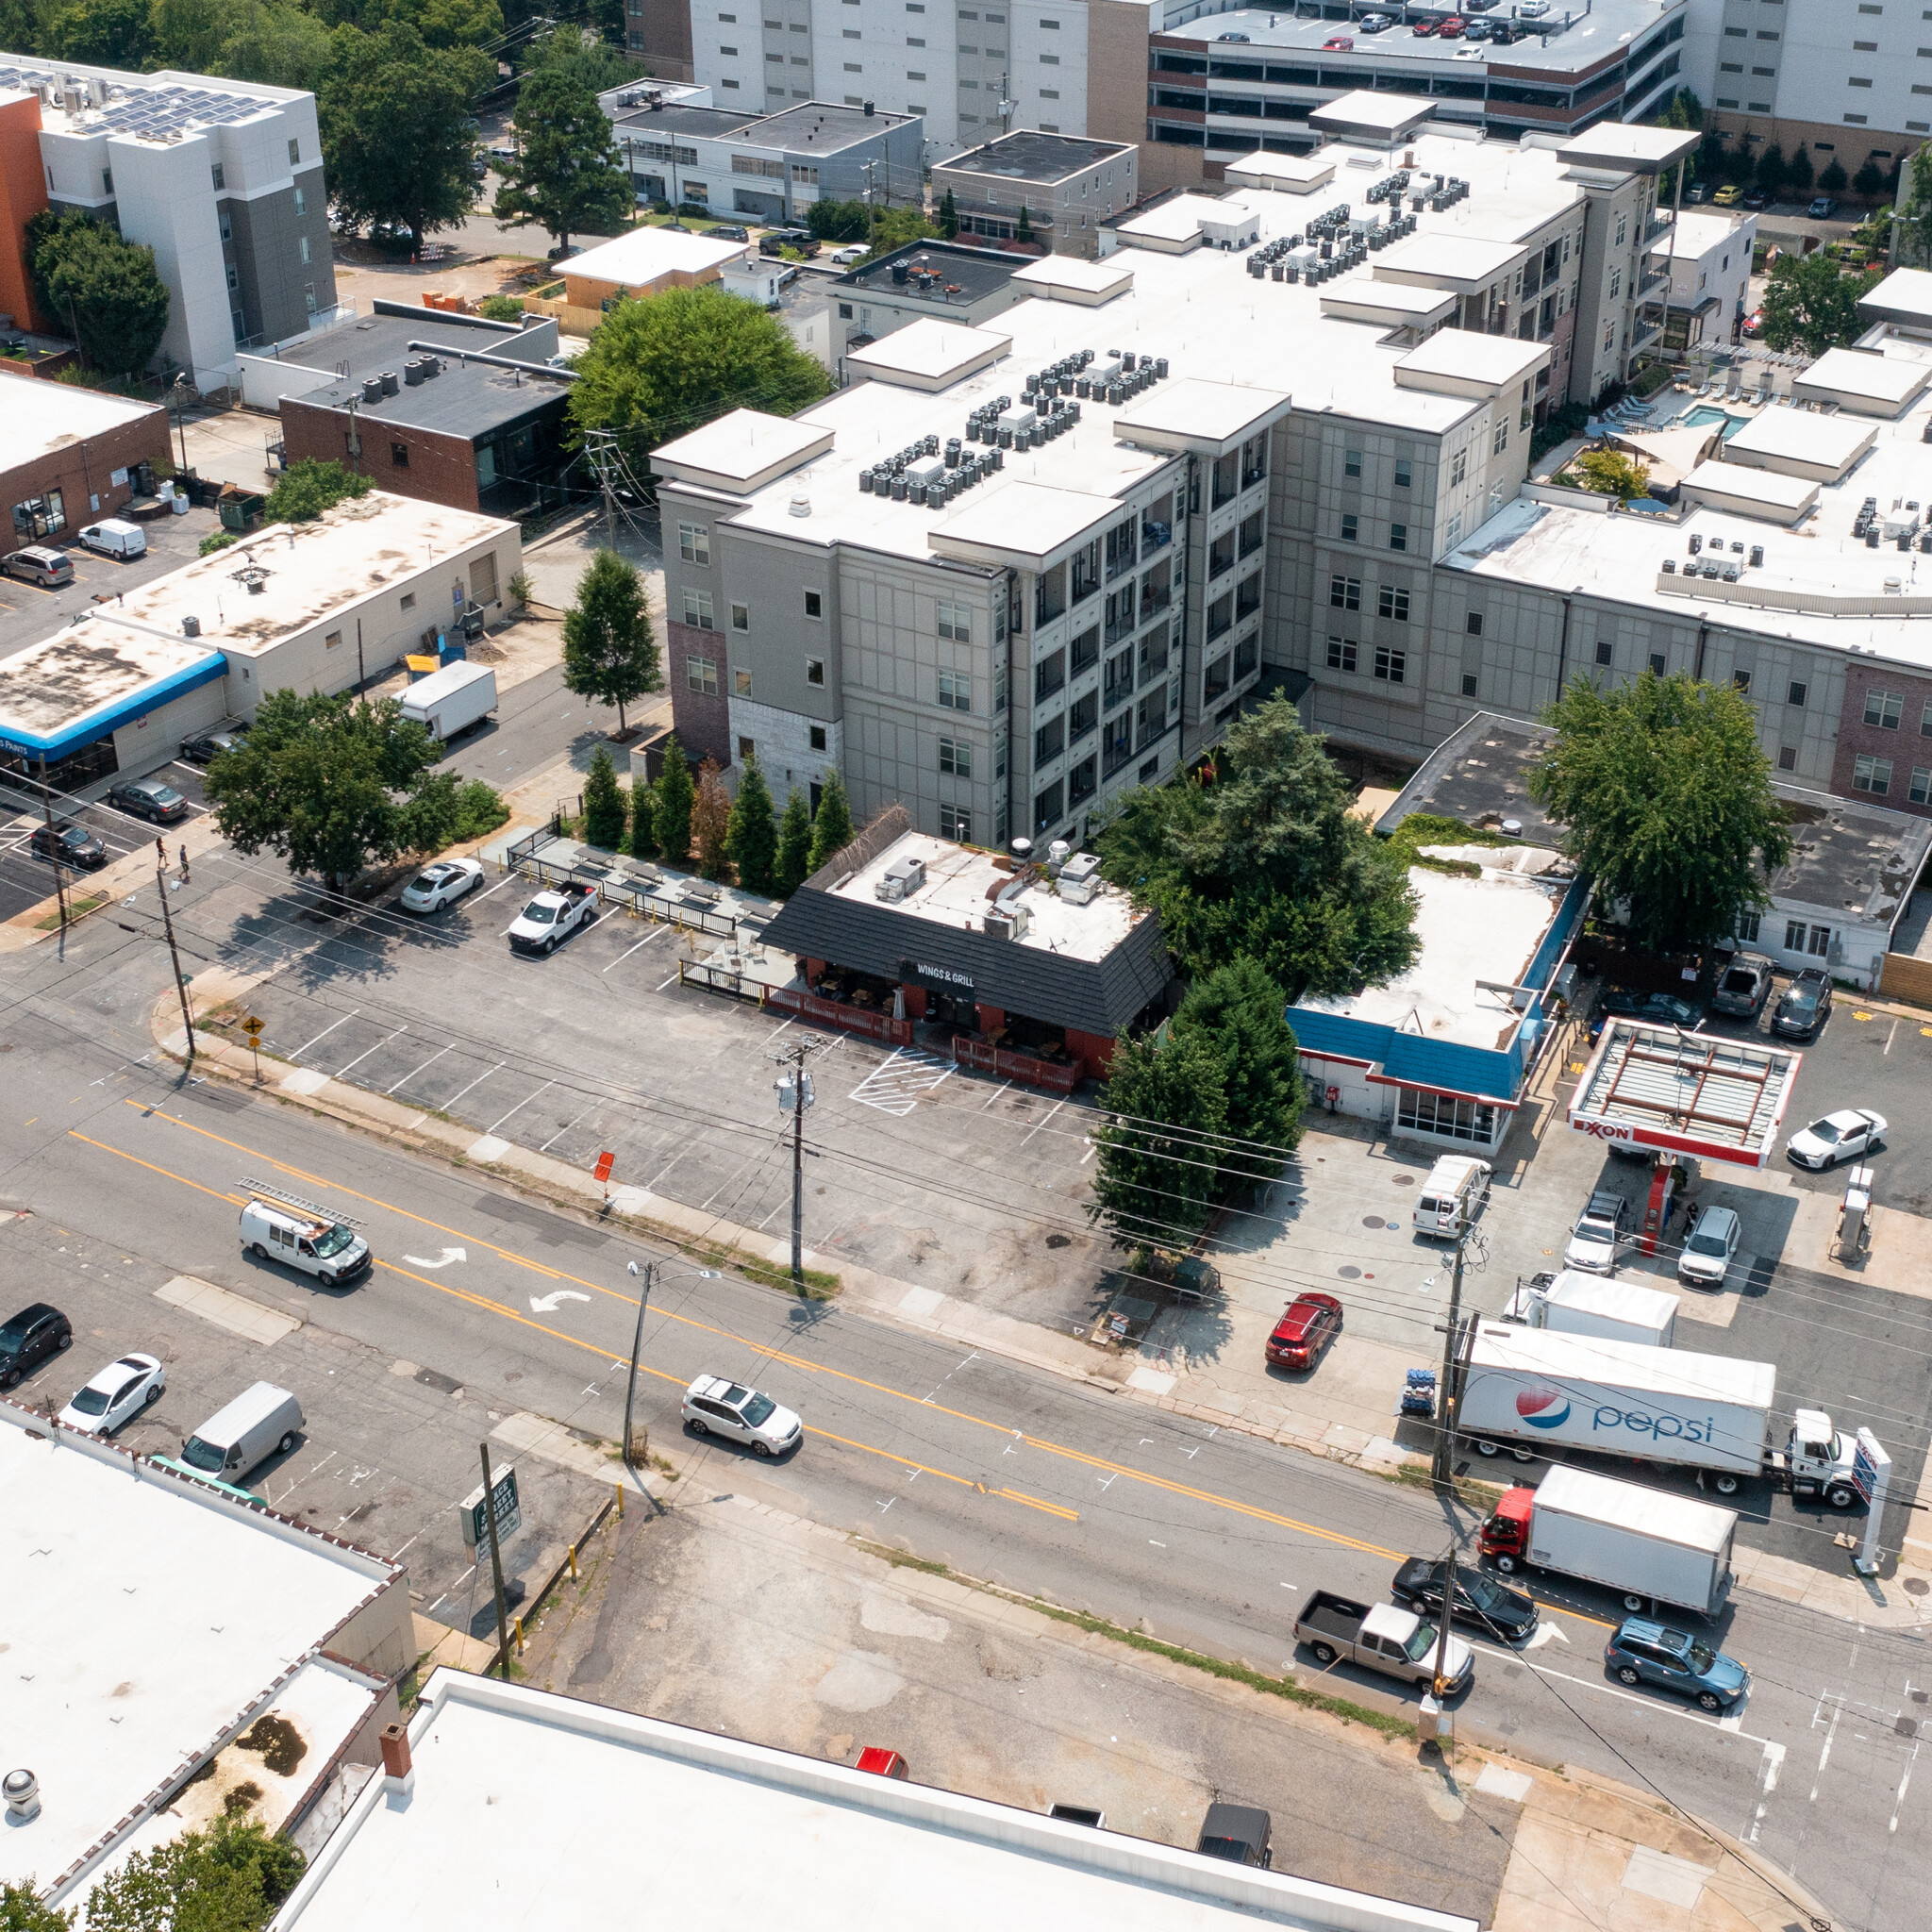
{"points": [[1310, 1323]]}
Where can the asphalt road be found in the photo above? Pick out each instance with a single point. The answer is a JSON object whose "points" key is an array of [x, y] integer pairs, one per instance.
{"points": [[997, 1469]]}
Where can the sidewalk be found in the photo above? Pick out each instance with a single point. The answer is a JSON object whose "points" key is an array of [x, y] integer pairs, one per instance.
{"points": [[98, 890]]}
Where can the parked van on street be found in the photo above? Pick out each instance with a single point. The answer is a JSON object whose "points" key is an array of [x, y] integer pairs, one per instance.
{"points": [[1452, 1196], [306, 1237], [261, 1422]]}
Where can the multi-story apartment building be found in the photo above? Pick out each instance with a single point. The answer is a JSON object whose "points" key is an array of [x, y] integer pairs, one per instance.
{"points": [[1847, 80], [222, 178], [1067, 187]]}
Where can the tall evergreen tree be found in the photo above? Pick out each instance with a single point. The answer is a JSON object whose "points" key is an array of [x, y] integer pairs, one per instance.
{"points": [[832, 829], [794, 847], [753, 837], [710, 821], [676, 794], [1243, 1013], [604, 806], [1156, 1168], [609, 651], [949, 217], [643, 820]]}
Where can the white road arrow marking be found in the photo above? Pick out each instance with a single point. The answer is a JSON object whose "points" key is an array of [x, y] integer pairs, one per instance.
{"points": [[443, 1260], [1546, 1633], [548, 1303]]}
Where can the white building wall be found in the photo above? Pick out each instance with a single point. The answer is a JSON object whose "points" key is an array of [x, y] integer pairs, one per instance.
{"points": [[1048, 84], [782, 740], [165, 194]]}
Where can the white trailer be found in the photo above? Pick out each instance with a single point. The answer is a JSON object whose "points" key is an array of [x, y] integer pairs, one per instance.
{"points": [[451, 700], [1646, 1545], [1575, 1303]]}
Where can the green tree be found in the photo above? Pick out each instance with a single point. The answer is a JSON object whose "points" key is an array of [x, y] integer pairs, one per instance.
{"points": [[105, 290], [479, 810], [500, 308], [1157, 1174], [1261, 857], [752, 841], [566, 177], [838, 221], [230, 1878], [1870, 180], [894, 227], [604, 812], [1022, 228], [1665, 799], [949, 216], [393, 114], [21, 1910], [794, 847], [598, 66], [1771, 168], [1832, 178], [676, 794], [309, 487], [609, 653], [1915, 213], [710, 823], [643, 820], [442, 22], [1809, 304], [1798, 170], [831, 830], [1243, 1014], [1611, 473], [281, 45], [330, 785], [655, 370], [106, 33]]}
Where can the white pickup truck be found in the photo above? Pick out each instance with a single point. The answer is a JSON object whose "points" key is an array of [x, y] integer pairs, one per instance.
{"points": [[552, 916]]}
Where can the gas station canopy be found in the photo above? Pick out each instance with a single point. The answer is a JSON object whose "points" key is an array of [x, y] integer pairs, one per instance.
{"points": [[1685, 1093]]}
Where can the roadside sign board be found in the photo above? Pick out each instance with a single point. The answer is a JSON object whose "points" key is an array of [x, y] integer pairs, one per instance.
{"points": [[605, 1163], [252, 1026], [507, 1509]]}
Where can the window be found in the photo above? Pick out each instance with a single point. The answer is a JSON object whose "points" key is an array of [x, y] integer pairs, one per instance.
{"points": [[1472, 624], [1086, 651], [956, 757], [1796, 691], [399, 455], [1920, 791], [1658, 663], [701, 676], [1392, 667], [1883, 710], [1788, 758], [815, 735], [1501, 442], [1605, 651], [1469, 684], [1749, 925], [234, 276], [740, 683], [697, 609], [1049, 741], [815, 671], [302, 245], [1402, 473], [409, 600], [955, 824], [815, 603], [1049, 674], [747, 750], [740, 617], [999, 688], [956, 690], [955, 622], [1341, 654], [1616, 283], [295, 152], [1817, 943], [1046, 809], [221, 178], [1740, 680], [106, 180], [1458, 468], [1423, 1113], [1872, 775], [1351, 463], [1349, 527], [1398, 536], [1345, 594], [1391, 602], [301, 201], [694, 543], [1083, 716], [331, 640]]}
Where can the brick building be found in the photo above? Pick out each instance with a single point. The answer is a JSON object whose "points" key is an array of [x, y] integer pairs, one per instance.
{"points": [[70, 456]]}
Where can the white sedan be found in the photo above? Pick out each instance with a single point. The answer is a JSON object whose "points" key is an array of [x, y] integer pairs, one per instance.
{"points": [[117, 1395], [441, 884], [715, 1407], [1841, 1135]]}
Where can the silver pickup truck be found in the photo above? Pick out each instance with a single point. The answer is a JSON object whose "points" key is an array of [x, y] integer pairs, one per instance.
{"points": [[1380, 1637]]}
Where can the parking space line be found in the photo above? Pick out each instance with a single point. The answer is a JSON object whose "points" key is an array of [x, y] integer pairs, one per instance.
{"points": [[427, 1064], [341, 1072], [562, 1131], [644, 941], [477, 1082], [509, 878], [520, 1106], [663, 983], [326, 1032], [1041, 1122]]}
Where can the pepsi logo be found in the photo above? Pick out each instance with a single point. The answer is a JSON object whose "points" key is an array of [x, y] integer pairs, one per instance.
{"points": [[1543, 1409]]}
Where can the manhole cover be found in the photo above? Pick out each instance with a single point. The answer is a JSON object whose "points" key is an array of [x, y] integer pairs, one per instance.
{"points": [[1374, 1221], [1350, 1274], [1916, 1586], [1404, 1180]]}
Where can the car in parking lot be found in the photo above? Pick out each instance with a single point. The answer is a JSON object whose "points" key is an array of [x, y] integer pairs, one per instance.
{"points": [[1533, 10], [150, 799], [1729, 195], [64, 842], [117, 1395], [1452, 29], [115, 537], [1746, 985], [552, 916], [1757, 199], [1709, 1248], [1494, 1609], [441, 884], [1592, 1246], [1338, 44], [39, 563], [1667, 1009], [1643, 1652], [1307, 1325], [1841, 1135], [205, 748], [1649, 1008], [1804, 1006], [1822, 209], [1374, 24], [715, 1407], [35, 1335], [728, 232], [845, 256]]}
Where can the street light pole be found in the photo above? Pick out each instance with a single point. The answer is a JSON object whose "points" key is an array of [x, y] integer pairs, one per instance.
{"points": [[637, 1343], [795, 1096]]}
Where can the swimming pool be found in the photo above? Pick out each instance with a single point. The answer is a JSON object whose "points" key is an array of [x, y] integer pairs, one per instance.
{"points": [[1704, 415]]}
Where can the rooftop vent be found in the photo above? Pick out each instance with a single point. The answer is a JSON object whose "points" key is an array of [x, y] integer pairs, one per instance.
{"points": [[22, 1790], [801, 505], [1080, 878]]}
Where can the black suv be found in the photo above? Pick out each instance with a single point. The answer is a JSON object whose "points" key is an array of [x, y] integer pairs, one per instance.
{"points": [[35, 1335], [1801, 1012], [1746, 985], [1481, 1602], [64, 842]]}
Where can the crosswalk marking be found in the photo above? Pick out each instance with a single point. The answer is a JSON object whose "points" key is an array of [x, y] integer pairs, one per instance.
{"points": [[895, 1085]]}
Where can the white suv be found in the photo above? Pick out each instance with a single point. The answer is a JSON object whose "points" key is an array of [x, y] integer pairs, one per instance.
{"points": [[1593, 1239], [715, 1407]]}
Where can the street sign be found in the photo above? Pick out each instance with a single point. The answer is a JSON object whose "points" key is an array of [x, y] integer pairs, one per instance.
{"points": [[605, 1163], [252, 1026], [1872, 1477], [506, 1510]]}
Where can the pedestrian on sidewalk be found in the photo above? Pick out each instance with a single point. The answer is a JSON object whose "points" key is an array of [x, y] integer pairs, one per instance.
{"points": [[184, 864]]}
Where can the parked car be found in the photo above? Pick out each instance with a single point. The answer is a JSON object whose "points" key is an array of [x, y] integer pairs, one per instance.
{"points": [[1757, 199], [1424, 28], [1697, 193], [503, 156], [37, 1334], [1729, 195], [552, 916], [882, 1762], [1533, 10], [1242, 38], [1374, 24], [1242, 1834], [116, 536], [1709, 1247], [64, 842], [1310, 1323], [261, 1422], [1667, 1009], [728, 232], [776, 241], [1754, 324], [1479, 30], [1492, 1607], [38, 563], [1802, 1010], [1746, 985], [1823, 207], [1642, 1651], [1452, 29], [150, 799], [210, 745], [116, 1395], [845, 256], [1840, 1136], [712, 1406], [441, 884], [1338, 44], [1592, 1246]]}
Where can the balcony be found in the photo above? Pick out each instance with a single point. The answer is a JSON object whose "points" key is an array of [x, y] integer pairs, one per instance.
{"points": [[1155, 537], [1657, 226], [1646, 330], [1048, 603], [1153, 602], [1652, 287]]}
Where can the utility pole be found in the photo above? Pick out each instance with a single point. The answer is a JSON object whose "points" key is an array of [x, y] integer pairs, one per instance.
{"points": [[1446, 1400], [361, 676], [1442, 1632], [47, 815], [872, 218], [496, 1564], [173, 951], [648, 1272], [795, 1096], [598, 446]]}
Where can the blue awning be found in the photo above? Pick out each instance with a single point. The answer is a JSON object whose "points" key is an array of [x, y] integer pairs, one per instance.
{"points": [[105, 719]]}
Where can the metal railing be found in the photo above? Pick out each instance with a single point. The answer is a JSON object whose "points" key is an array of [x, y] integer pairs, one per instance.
{"points": [[1023, 1067], [637, 897]]}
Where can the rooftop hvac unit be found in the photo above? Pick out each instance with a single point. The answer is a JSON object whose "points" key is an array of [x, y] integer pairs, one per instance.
{"points": [[902, 878], [390, 384], [928, 470], [1007, 923], [1080, 878]]}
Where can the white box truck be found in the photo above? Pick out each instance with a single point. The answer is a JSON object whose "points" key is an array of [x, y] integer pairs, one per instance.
{"points": [[1573, 1303], [452, 699], [1528, 1391], [1648, 1546]]}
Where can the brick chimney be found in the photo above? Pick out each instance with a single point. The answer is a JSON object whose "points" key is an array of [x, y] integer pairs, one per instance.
{"points": [[399, 1775]]}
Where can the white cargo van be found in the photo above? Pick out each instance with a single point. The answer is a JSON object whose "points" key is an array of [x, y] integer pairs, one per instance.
{"points": [[116, 536], [1455, 1191], [331, 1251], [260, 1422]]}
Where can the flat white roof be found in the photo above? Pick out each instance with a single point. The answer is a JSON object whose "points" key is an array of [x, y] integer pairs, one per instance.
{"points": [[1740, 483], [1860, 372], [56, 684], [149, 1614], [1470, 929], [1681, 1520], [1023, 521], [1460, 355], [1053, 273], [1181, 217], [1627, 146], [1597, 1358], [742, 451], [1466, 262], [930, 354], [1695, 233], [1296, 174], [1192, 411], [642, 257], [516, 1787], [42, 417], [1903, 297], [1391, 303], [1369, 111], [1801, 436]]}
